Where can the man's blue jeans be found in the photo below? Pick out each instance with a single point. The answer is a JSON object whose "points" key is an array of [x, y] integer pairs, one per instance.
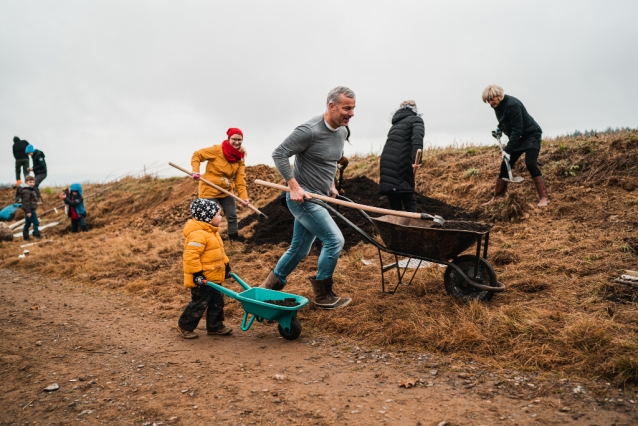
{"points": [[311, 221]]}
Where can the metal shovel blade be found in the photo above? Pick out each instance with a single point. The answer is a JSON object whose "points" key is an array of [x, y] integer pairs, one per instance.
{"points": [[515, 179], [438, 219]]}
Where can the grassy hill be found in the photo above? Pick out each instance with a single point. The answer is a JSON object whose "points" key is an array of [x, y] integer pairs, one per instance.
{"points": [[561, 312]]}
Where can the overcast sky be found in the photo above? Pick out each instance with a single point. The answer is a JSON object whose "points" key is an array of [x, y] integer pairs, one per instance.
{"points": [[106, 87]]}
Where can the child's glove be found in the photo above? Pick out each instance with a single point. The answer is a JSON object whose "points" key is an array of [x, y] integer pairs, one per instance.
{"points": [[196, 176], [199, 279], [227, 271]]}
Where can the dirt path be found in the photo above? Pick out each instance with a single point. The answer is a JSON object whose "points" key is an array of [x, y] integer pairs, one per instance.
{"points": [[116, 362]]}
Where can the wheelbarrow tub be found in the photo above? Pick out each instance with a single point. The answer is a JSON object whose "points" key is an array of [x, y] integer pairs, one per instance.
{"points": [[425, 238], [253, 301]]}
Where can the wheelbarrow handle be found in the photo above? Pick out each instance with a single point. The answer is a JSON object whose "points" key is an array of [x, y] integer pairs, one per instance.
{"points": [[240, 281], [228, 292], [423, 216]]}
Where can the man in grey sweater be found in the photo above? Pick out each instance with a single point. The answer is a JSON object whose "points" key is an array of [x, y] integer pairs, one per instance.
{"points": [[317, 146]]}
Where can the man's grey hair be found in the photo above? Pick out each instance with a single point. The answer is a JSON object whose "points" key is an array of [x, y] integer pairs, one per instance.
{"points": [[333, 95]]}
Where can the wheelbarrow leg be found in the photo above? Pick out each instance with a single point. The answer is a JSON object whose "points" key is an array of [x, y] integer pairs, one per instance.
{"points": [[382, 272], [478, 256], [487, 242]]}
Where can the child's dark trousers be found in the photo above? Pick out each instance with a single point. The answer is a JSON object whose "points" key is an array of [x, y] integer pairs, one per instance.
{"points": [[203, 299], [79, 222]]}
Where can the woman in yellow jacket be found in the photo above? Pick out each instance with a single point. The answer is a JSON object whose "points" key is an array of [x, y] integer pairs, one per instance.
{"points": [[204, 260], [225, 168]]}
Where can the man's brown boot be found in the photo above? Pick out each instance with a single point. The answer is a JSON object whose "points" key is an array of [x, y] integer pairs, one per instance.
{"points": [[542, 191], [324, 297], [272, 282], [499, 191]]}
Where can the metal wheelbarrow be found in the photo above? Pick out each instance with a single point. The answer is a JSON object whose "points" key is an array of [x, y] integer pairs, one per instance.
{"points": [[253, 300], [467, 277]]}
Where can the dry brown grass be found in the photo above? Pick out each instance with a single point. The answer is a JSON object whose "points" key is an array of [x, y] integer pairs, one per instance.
{"points": [[556, 262]]}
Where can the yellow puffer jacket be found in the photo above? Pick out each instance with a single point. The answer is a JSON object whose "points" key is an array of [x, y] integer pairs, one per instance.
{"points": [[220, 172], [203, 251]]}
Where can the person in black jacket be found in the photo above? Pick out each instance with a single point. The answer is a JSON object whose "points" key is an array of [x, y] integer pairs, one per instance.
{"points": [[524, 138], [39, 168], [22, 162], [22, 158], [397, 166]]}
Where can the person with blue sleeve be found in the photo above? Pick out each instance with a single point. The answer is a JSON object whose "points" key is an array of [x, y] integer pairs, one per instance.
{"points": [[39, 168], [73, 199]]}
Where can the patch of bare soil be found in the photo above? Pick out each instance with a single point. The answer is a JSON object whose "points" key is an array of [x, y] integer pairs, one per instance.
{"points": [[115, 359]]}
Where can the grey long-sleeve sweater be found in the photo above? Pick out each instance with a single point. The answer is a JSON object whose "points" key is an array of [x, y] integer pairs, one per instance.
{"points": [[316, 149]]}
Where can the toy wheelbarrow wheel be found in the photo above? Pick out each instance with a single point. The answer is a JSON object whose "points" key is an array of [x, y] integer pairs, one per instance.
{"points": [[293, 333]]}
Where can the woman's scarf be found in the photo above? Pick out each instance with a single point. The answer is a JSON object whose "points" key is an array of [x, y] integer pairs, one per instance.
{"points": [[231, 153]]}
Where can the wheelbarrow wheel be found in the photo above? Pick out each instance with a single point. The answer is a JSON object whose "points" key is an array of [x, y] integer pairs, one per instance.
{"points": [[295, 330], [458, 287]]}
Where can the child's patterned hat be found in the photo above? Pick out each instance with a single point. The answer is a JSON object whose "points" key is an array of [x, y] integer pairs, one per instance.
{"points": [[204, 210]]}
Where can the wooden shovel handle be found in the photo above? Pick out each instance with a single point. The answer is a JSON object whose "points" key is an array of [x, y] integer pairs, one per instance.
{"points": [[230, 194], [417, 160], [378, 210]]}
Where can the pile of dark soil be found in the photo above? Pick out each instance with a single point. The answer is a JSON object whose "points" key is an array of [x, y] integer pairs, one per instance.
{"points": [[173, 216], [289, 302], [362, 190]]}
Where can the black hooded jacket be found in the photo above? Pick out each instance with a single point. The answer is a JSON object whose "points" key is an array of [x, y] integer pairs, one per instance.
{"points": [[18, 149], [521, 129], [39, 165], [405, 138]]}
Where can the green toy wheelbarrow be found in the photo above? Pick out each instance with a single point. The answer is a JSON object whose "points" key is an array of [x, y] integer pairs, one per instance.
{"points": [[253, 300]]}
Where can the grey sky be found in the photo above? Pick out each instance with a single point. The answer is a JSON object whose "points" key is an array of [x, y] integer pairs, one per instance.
{"points": [[106, 87]]}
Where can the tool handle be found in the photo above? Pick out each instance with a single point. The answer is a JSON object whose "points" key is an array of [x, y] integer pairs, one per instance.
{"points": [[417, 160], [351, 205], [230, 194]]}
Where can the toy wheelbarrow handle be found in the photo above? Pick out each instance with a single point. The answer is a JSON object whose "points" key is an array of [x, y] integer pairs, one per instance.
{"points": [[245, 323]]}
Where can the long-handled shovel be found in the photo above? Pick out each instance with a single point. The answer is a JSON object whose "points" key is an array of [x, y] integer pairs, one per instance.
{"points": [[417, 161], [437, 219], [506, 158], [230, 194]]}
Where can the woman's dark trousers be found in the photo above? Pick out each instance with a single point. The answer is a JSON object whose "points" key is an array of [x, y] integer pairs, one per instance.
{"points": [[531, 158], [404, 201]]}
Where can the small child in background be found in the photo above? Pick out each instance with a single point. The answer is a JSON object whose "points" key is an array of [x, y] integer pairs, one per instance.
{"points": [[204, 260], [76, 211], [29, 204]]}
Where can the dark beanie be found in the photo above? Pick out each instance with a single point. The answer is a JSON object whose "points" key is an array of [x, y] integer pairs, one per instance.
{"points": [[16, 139], [204, 210]]}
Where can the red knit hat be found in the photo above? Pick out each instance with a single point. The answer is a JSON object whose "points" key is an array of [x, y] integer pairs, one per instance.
{"points": [[234, 131]]}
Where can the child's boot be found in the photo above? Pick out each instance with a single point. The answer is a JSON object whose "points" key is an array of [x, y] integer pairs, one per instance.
{"points": [[224, 331], [185, 334]]}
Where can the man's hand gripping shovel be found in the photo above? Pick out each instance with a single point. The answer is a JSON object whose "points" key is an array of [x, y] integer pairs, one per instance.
{"points": [[498, 133]]}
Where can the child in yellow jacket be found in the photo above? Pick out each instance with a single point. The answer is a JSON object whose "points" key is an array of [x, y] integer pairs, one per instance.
{"points": [[204, 260]]}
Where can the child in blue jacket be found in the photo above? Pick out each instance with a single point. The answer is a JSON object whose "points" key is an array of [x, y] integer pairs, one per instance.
{"points": [[77, 213]]}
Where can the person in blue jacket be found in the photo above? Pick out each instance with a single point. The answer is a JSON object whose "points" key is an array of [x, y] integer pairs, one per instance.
{"points": [[73, 199], [39, 168]]}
